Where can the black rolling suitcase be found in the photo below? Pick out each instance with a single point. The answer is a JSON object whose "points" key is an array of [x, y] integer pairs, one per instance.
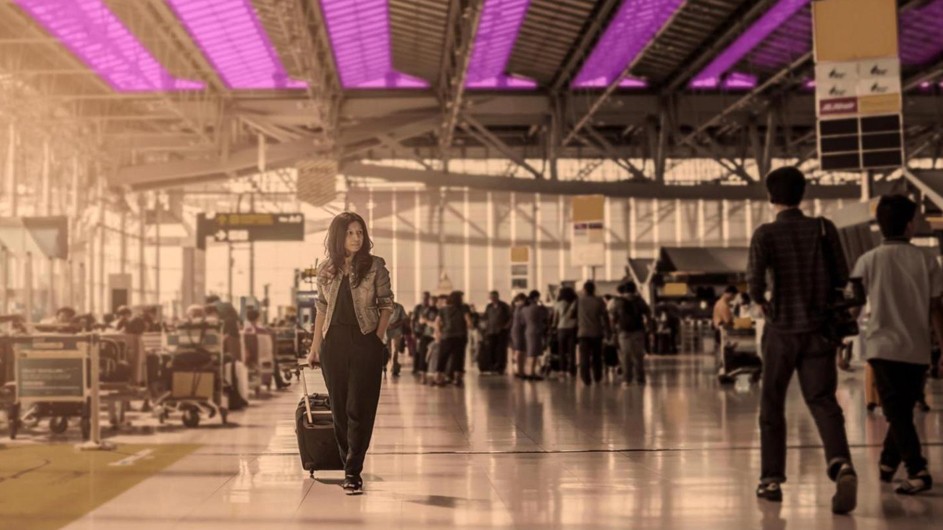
{"points": [[314, 425]]}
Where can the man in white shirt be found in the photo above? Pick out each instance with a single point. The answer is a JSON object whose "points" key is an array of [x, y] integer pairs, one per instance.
{"points": [[904, 285]]}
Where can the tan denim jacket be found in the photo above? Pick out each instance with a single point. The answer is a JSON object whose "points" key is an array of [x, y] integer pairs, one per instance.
{"points": [[373, 295]]}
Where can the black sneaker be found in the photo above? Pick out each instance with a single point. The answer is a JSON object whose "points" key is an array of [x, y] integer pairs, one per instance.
{"points": [[887, 473], [769, 491], [846, 490], [353, 485]]}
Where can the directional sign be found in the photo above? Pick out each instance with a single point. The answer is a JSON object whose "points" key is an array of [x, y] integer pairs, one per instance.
{"points": [[250, 227]]}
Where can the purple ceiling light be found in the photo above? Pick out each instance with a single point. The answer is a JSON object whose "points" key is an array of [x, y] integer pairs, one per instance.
{"points": [[711, 76], [497, 31], [920, 38], [632, 28], [360, 37], [232, 39], [99, 39]]}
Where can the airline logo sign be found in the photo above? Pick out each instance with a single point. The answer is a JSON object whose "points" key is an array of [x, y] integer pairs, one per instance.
{"points": [[838, 106], [842, 87]]}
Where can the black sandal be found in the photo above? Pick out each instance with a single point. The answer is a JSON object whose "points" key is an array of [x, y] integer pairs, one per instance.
{"points": [[919, 483]]}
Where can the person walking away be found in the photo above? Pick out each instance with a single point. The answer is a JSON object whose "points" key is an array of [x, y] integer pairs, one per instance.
{"points": [[423, 316], [565, 324], [592, 328], [452, 326], [804, 260], [519, 333], [904, 285], [354, 306], [399, 323], [535, 319], [630, 317], [498, 320]]}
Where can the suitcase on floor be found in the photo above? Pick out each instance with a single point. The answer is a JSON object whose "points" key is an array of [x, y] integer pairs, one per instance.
{"points": [[483, 355], [314, 425]]}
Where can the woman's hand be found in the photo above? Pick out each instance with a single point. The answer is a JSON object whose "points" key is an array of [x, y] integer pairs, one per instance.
{"points": [[314, 355]]}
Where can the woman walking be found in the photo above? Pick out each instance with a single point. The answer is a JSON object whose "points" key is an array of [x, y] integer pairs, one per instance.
{"points": [[452, 327], [354, 306]]}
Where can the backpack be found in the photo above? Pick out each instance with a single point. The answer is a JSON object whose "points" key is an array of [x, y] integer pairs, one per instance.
{"points": [[631, 318]]}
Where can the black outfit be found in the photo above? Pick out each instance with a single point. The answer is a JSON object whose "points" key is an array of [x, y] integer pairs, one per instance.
{"points": [[567, 345], [793, 250], [454, 340], [353, 366], [497, 337], [900, 385], [591, 359]]}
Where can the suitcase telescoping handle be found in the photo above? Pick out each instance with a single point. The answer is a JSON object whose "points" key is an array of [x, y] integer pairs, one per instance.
{"points": [[304, 388]]}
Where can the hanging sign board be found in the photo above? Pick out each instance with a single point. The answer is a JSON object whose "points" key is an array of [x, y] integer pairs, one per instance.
{"points": [[588, 248], [52, 369], [250, 227], [520, 268]]}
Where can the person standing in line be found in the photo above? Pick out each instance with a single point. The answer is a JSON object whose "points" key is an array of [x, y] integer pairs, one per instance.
{"points": [[354, 306], [498, 320], [904, 285], [805, 263], [592, 329], [564, 322], [395, 341], [535, 319], [423, 316], [519, 332], [630, 317], [452, 326]]}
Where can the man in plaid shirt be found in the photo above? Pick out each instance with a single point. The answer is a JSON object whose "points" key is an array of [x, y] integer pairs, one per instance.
{"points": [[800, 261]]}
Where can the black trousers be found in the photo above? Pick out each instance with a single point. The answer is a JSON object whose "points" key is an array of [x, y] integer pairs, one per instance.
{"points": [[567, 346], [813, 359], [353, 367], [496, 352], [452, 355], [591, 359], [900, 386], [422, 352]]}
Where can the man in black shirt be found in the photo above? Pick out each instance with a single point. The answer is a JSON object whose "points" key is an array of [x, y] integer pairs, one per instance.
{"points": [[802, 258], [497, 334]]}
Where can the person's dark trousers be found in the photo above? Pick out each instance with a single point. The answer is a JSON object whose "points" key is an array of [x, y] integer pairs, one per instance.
{"points": [[352, 364], [590, 359], [422, 352], [567, 346], [813, 359], [496, 351], [453, 349], [900, 385]]}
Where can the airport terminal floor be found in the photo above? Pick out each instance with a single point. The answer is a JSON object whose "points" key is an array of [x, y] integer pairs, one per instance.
{"points": [[679, 452]]}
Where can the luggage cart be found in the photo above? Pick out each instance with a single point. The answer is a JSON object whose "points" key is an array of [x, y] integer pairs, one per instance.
{"points": [[738, 356], [260, 359], [53, 379], [196, 373], [122, 374], [286, 357]]}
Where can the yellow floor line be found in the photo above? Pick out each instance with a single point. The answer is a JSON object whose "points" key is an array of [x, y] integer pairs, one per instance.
{"points": [[44, 487]]}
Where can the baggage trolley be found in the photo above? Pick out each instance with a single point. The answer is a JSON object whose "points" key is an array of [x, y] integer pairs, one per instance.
{"points": [[197, 373], [738, 355]]}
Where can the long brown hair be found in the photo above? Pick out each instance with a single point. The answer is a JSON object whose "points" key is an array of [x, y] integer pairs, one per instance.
{"points": [[335, 245]]}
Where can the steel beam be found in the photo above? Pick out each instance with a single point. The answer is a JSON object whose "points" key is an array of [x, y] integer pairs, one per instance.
{"points": [[626, 188], [589, 36], [466, 14]]}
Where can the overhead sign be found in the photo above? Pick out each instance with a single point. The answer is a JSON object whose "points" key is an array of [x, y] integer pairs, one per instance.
{"points": [[250, 227], [857, 84], [588, 248]]}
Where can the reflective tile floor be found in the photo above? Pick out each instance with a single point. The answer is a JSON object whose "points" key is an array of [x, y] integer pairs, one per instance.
{"points": [[681, 452]]}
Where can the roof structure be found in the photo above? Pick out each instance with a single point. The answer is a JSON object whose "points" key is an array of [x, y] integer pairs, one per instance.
{"points": [[639, 84]]}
